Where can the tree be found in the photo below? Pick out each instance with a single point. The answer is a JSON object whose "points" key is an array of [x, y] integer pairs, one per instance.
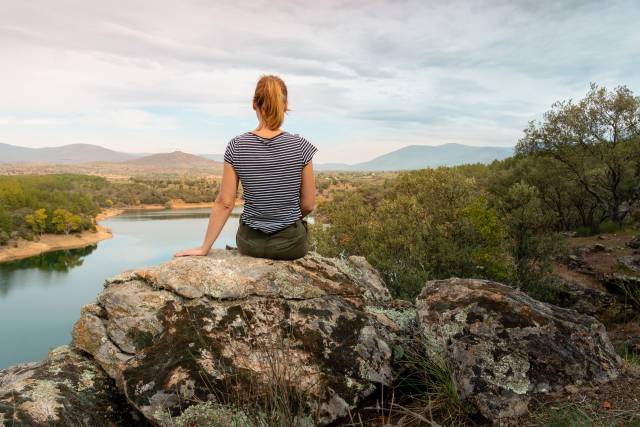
{"points": [[533, 248], [65, 222], [37, 220], [596, 141]]}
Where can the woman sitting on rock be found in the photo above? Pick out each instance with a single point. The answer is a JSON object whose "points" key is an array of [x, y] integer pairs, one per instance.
{"points": [[278, 185]]}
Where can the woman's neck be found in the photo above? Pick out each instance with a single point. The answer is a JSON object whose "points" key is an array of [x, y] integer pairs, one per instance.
{"points": [[265, 132]]}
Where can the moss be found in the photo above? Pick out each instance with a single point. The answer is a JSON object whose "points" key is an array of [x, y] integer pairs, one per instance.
{"points": [[141, 339], [207, 414], [403, 318]]}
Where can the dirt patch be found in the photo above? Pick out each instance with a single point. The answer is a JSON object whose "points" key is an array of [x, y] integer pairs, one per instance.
{"points": [[600, 255], [52, 242], [616, 403]]}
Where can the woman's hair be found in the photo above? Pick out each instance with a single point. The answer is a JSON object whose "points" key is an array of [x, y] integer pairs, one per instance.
{"points": [[271, 100]]}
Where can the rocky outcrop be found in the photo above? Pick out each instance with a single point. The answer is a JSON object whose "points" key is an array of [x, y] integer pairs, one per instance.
{"points": [[227, 327], [209, 338], [627, 286], [503, 346], [630, 262], [65, 389], [606, 307]]}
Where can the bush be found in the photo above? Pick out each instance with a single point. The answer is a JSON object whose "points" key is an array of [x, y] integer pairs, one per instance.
{"points": [[608, 226], [425, 224], [533, 248]]}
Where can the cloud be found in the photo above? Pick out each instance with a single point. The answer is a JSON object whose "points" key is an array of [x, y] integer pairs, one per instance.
{"points": [[364, 76]]}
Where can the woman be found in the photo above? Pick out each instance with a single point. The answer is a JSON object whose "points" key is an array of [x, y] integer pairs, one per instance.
{"points": [[278, 185]]}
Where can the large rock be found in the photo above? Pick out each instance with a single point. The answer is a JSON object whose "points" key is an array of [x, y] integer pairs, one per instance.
{"points": [[606, 307], [503, 346], [65, 389], [226, 328], [634, 243]]}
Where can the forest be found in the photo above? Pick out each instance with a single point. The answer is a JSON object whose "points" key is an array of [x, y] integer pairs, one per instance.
{"points": [[31, 205]]}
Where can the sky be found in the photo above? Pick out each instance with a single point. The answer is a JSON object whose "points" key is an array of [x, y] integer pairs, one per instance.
{"points": [[364, 77]]}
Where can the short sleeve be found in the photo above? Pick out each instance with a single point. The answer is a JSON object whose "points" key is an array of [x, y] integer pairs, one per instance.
{"points": [[308, 150], [229, 152]]}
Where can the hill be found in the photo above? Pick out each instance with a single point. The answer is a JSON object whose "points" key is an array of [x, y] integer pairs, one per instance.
{"points": [[424, 156], [216, 157], [65, 154], [176, 159]]}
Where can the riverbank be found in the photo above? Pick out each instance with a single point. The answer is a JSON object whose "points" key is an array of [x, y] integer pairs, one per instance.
{"points": [[52, 242]]}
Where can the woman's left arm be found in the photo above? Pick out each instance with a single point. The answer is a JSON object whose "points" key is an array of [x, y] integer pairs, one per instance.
{"points": [[220, 212]]}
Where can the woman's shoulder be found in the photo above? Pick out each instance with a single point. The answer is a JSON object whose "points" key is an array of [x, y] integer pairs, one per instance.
{"points": [[249, 136]]}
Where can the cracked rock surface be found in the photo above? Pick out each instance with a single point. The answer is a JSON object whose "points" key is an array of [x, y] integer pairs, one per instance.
{"points": [[502, 346], [200, 333], [65, 389], [218, 327]]}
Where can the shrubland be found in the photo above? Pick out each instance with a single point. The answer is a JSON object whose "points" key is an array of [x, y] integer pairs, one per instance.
{"points": [[576, 171]]}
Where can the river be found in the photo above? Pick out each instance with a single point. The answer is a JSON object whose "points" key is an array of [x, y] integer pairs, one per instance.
{"points": [[41, 296]]}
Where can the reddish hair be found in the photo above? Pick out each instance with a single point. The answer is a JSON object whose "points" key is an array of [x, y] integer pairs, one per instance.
{"points": [[271, 100]]}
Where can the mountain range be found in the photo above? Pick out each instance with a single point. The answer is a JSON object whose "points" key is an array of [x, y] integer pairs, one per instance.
{"points": [[177, 159], [424, 156], [410, 157], [65, 154]]}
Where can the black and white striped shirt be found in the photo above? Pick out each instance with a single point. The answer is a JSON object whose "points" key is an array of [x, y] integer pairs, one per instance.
{"points": [[270, 170]]}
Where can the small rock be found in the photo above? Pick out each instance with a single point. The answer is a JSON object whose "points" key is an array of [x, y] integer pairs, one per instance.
{"points": [[598, 247], [630, 262], [571, 389]]}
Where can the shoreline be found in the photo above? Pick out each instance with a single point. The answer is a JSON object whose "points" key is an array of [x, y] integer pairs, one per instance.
{"points": [[57, 242], [52, 242]]}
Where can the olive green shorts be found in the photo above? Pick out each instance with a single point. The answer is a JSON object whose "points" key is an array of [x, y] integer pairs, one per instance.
{"points": [[288, 243]]}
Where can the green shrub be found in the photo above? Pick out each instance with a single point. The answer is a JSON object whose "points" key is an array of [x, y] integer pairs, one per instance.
{"points": [[608, 226], [425, 224], [533, 247]]}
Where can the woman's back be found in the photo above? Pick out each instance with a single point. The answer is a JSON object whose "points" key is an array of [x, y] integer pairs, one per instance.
{"points": [[270, 172], [276, 173]]}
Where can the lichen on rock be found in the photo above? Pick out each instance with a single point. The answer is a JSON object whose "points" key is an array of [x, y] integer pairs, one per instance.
{"points": [[193, 328], [504, 346], [216, 339], [66, 388]]}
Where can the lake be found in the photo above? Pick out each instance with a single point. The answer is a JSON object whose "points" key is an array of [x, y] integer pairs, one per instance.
{"points": [[41, 296]]}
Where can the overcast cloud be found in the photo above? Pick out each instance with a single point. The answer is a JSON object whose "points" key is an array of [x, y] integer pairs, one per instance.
{"points": [[365, 77]]}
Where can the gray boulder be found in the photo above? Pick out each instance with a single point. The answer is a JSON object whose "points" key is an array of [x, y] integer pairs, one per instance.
{"points": [[228, 328], [65, 389], [503, 346]]}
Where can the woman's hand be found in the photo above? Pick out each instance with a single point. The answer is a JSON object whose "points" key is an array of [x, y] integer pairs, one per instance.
{"points": [[192, 252]]}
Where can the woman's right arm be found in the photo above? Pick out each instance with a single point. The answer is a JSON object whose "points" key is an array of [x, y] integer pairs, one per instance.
{"points": [[308, 190], [220, 212]]}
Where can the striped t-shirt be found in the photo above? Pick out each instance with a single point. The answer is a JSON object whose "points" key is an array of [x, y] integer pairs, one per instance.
{"points": [[270, 170]]}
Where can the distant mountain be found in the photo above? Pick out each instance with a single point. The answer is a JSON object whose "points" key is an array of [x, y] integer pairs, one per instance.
{"points": [[424, 156], [177, 160], [65, 154], [216, 157]]}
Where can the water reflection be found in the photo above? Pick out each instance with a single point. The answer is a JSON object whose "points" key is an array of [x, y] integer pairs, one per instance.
{"points": [[57, 261], [146, 215], [41, 297]]}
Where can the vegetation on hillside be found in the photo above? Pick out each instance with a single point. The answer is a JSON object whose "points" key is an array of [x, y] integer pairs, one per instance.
{"points": [[577, 170], [34, 204]]}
